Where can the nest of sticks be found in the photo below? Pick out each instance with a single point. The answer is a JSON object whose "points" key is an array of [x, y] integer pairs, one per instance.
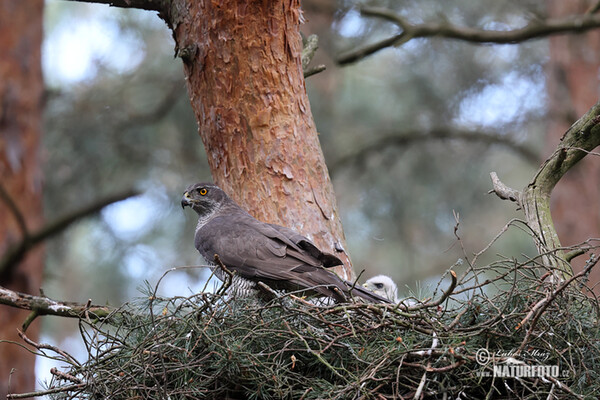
{"points": [[503, 330]]}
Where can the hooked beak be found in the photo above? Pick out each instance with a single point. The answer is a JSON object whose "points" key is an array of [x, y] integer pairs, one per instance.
{"points": [[186, 200]]}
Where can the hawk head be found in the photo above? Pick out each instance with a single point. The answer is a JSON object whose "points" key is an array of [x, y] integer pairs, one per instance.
{"points": [[204, 198]]}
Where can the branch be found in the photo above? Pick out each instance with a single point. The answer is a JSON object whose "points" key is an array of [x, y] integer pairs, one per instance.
{"points": [[46, 392], [150, 5], [310, 46], [46, 306], [503, 191], [579, 140], [445, 294], [44, 346], [314, 70], [16, 253], [407, 138], [534, 30]]}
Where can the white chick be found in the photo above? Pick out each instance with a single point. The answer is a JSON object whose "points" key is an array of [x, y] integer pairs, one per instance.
{"points": [[384, 286]]}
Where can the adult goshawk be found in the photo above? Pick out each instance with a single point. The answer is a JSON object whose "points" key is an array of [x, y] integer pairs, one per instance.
{"points": [[256, 251]]}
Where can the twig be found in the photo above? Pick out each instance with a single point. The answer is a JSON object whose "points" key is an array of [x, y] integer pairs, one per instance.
{"points": [[314, 70], [316, 354], [442, 298], [503, 191], [41, 393], [65, 376], [564, 387], [40, 346], [30, 318], [586, 276], [574, 253], [539, 308], [355, 282], [419, 390], [267, 290]]}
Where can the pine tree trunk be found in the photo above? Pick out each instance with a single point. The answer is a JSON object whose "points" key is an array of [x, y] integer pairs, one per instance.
{"points": [[245, 80], [573, 88], [21, 89]]}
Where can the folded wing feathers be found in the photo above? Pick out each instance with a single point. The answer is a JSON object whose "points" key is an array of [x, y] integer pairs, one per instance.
{"points": [[276, 254]]}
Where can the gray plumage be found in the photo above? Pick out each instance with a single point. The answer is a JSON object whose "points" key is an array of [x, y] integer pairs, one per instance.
{"points": [[257, 251]]}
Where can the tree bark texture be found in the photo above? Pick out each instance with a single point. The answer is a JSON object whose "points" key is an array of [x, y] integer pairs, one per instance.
{"points": [[573, 86], [243, 68], [21, 90]]}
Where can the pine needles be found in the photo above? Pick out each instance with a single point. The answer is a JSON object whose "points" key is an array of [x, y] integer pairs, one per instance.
{"points": [[210, 346], [506, 330]]}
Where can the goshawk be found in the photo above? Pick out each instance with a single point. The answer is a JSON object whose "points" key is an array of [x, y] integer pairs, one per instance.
{"points": [[256, 251]]}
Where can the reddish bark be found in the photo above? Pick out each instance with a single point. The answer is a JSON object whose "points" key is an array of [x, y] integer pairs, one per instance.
{"points": [[242, 63], [21, 89], [573, 88]]}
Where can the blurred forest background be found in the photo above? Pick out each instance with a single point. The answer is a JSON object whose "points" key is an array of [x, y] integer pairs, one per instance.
{"points": [[410, 135]]}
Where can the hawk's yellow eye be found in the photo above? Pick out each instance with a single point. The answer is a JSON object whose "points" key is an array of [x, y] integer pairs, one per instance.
{"points": [[203, 191]]}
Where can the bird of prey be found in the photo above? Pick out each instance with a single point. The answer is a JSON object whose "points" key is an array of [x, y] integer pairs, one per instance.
{"points": [[256, 251], [383, 286]]}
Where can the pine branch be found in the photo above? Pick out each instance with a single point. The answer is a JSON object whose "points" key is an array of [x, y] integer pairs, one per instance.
{"points": [[534, 30]]}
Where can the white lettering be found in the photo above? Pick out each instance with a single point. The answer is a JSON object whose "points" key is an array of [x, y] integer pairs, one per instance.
{"points": [[525, 371]]}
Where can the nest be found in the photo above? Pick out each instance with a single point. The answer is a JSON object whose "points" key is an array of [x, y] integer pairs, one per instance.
{"points": [[504, 330]]}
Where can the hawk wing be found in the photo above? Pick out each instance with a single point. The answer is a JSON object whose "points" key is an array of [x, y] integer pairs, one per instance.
{"points": [[326, 259], [264, 252]]}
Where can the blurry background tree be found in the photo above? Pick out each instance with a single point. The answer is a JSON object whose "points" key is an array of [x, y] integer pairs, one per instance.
{"points": [[410, 135], [21, 91]]}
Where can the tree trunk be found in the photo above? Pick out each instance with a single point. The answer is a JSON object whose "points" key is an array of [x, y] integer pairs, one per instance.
{"points": [[21, 90], [573, 88], [245, 80]]}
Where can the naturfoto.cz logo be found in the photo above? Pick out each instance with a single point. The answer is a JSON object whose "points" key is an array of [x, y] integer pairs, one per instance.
{"points": [[505, 365]]}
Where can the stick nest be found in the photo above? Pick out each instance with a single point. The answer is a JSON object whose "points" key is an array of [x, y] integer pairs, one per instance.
{"points": [[452, 345]]}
